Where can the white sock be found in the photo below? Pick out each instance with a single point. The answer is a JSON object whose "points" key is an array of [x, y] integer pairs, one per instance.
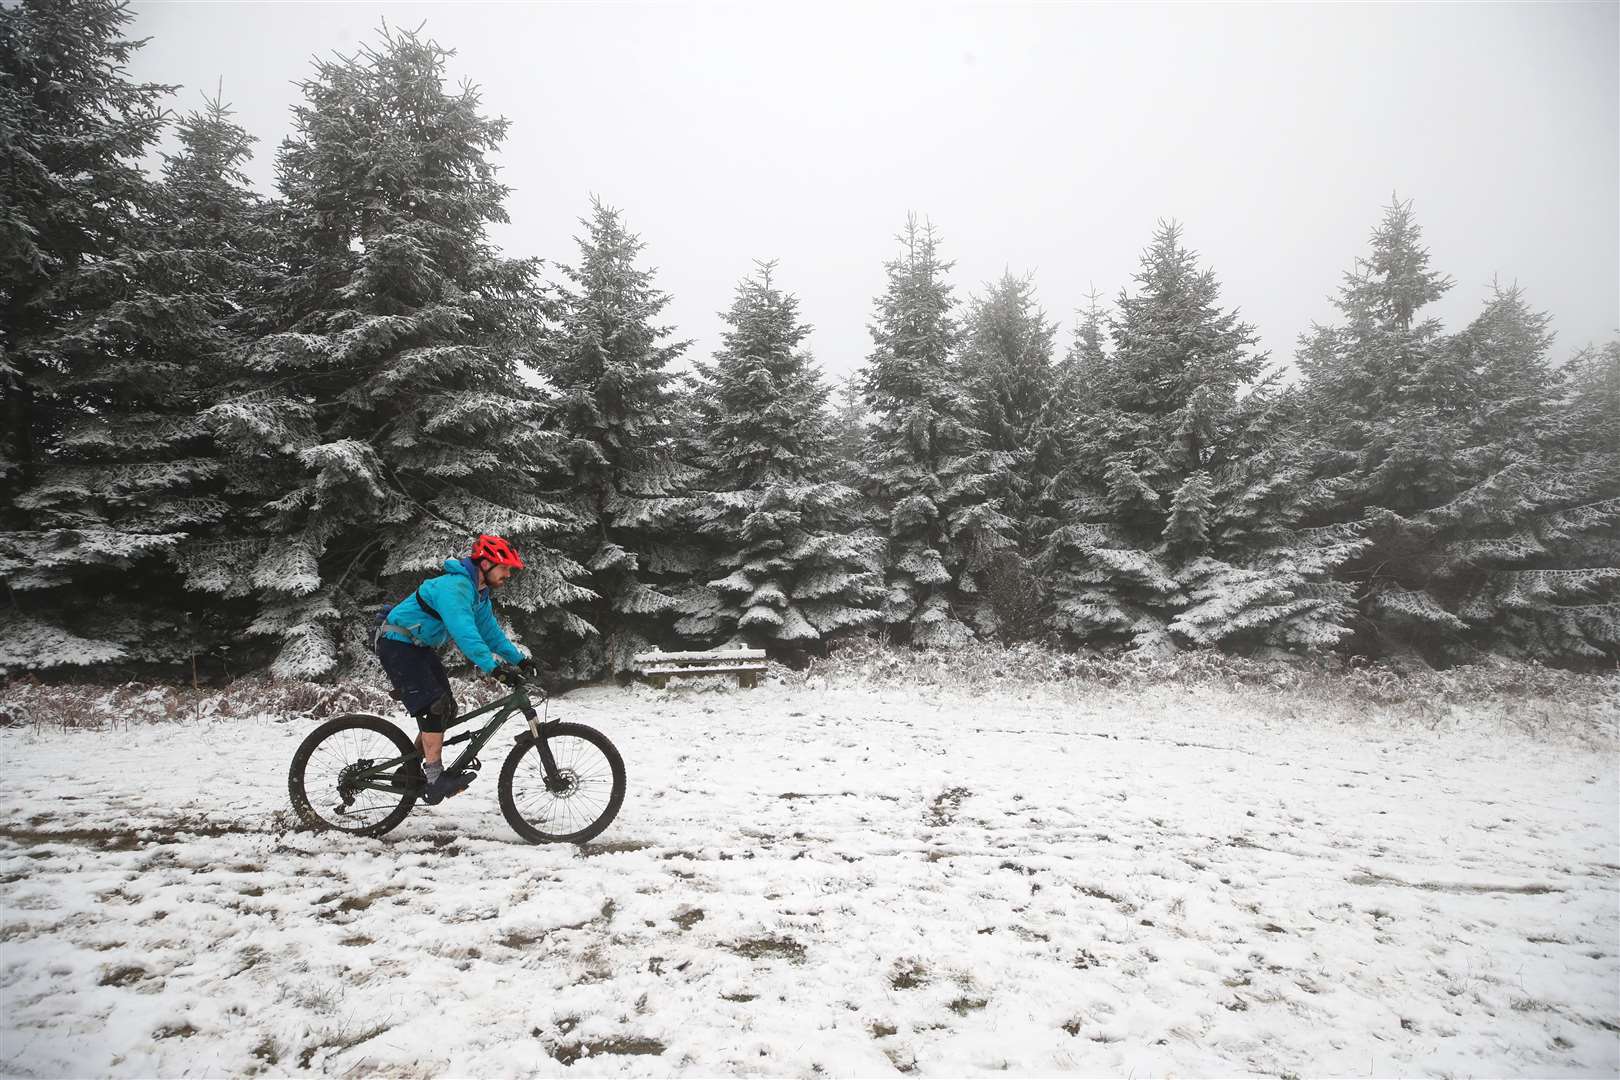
{"points": [[432, 770]]}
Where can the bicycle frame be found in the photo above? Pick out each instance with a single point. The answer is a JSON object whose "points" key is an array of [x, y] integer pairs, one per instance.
{"points": [[382, 776]]}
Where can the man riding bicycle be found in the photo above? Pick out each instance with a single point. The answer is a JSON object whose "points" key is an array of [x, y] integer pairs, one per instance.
{"points": [[453, 606]]}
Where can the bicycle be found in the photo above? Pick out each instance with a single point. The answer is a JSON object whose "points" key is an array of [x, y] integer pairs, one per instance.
{"points": [[365, 774]]}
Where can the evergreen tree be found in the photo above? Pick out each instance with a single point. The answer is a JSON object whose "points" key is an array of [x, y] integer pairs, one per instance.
{"points": [[211, 213], [607, 359], [388, 407], [847, 423], [1183, 501], [785, 565], [1082, 372], [109, 349], [72, 210], [931, 474], [1013, 383], [1586, 619], [1085, 366], [1591, 393], [1446, 451], [1529, 557]]}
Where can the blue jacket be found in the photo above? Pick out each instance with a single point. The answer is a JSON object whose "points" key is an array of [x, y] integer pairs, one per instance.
{"points": [[464, 614]]}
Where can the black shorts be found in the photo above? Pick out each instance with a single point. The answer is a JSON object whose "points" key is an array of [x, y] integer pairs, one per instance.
{"points": [[419, 676]]}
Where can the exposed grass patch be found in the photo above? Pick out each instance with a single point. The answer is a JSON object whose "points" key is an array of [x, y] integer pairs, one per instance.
{"points": [[942, 811], [909, 977], [123, 975], [612, 847], [266, 1051], [1463, 888], [774, 948], [340, 1041], [175, 832], [1525, 1004], [623, 1047], [250, 957], [903, 1061], [361, 903]]}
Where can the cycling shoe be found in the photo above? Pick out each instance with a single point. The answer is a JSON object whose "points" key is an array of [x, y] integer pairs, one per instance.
{"points": [[445, 786]]}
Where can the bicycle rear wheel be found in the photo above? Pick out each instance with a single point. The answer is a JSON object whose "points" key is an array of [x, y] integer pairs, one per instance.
{"points": [[320, 780], [583, 800]]}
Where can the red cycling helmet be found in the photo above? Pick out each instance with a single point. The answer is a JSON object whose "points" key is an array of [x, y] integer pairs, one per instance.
{"points": [[497, 551]]}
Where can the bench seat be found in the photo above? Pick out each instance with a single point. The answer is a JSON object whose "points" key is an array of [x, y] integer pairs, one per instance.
{"points": [[659, 667]]}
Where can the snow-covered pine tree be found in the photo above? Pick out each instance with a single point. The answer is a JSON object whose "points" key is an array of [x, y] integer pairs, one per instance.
{"points": [[1087, 359], [1082, 371], [931, 475], [1446, 452], [1012, 381], [110, 346], [389, 407], [785, 564], [607, 358], [1584, 616], [1529, 558], [1020, 402], [73, 204], [847, 425], [1591, 387], [210, 213], [1182, 507]]}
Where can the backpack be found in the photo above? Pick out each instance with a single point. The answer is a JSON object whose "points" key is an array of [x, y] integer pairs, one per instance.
{"points": [[380, 619]]}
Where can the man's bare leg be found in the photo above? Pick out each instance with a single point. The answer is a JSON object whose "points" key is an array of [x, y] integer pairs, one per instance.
{"points": [[432, 746]]}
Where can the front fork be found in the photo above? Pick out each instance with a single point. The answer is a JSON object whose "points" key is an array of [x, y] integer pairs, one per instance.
{"points": [[555, 782]]}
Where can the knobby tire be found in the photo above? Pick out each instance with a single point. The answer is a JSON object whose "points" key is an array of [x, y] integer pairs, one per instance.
{"points": [[536, 814], [331, 743]]}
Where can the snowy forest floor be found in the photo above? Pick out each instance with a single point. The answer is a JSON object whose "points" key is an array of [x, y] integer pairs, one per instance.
{"points": [[853, 873]]}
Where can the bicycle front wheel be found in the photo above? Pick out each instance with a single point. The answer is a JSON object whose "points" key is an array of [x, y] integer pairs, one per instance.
{"points": [[581, 800], [322, 780]]}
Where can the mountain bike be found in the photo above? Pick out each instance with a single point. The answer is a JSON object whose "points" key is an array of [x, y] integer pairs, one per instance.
{"points": [[560, 783]]}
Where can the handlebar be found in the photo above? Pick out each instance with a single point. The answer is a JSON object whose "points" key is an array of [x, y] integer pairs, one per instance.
{"points": [[514, 678]]}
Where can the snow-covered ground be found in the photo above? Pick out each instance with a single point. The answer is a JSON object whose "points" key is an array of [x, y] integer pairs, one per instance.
{"points": [[834, 880]]}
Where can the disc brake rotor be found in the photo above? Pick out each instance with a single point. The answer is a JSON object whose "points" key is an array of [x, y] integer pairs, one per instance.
{"points": [[565, 785]]}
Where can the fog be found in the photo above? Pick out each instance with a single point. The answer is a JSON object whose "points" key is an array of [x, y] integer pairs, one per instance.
{"points": [[1044, 139]]}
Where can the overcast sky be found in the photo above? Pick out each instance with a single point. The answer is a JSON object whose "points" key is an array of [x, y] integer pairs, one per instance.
{"points": [[1041, 138]]}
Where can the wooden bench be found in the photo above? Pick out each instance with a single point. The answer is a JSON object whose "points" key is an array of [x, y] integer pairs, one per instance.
{"points": [[659, 667]]}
